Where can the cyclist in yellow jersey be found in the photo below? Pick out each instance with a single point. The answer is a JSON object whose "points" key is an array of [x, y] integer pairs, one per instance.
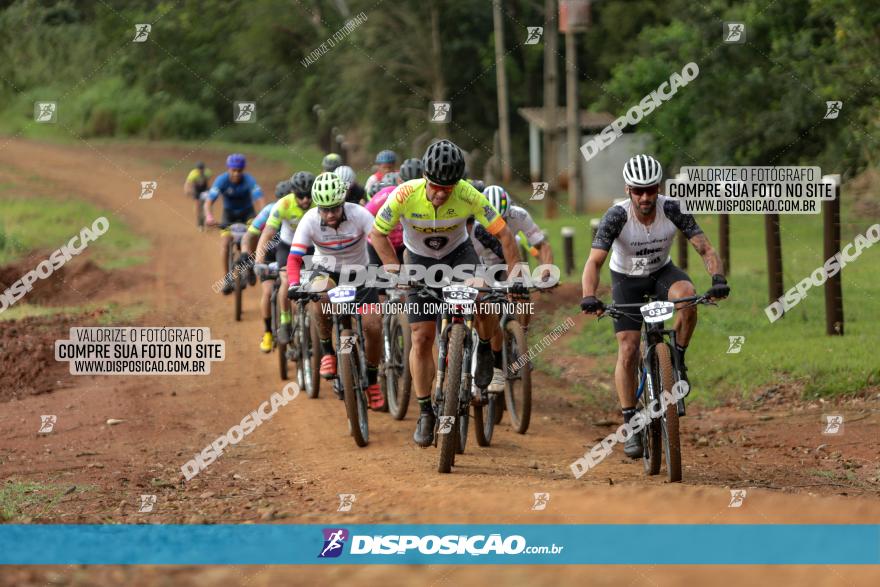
{"points": [[285, 216], [434, 213], [197, 182]]}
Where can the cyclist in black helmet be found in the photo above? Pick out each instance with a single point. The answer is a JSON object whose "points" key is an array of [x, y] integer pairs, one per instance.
{"points": [[434, 211]]}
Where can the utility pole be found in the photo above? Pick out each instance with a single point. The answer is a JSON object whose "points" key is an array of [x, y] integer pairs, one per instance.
{"points": [[572, 123], [501, 78], [574, 17], [551, 100]]}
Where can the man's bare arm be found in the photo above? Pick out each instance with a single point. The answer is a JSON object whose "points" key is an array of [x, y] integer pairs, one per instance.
{"points": [[590, 279], [710, 258]]}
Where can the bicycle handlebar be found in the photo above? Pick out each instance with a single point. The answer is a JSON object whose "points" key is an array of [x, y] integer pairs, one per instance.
{"points": [[615, 310]]}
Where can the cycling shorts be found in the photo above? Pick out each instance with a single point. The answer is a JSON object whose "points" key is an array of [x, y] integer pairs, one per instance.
{"points": [[629, 289], [233, 216], [460, 255]]}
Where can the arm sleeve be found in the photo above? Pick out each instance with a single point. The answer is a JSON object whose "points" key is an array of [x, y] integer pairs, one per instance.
{"points": [[302, 240], [488, 241], [527, 225], [683, 221], [259, 222], [294, 266], [610, 227]]}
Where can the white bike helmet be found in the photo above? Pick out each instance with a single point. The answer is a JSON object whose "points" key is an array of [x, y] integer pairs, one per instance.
{"points": [[328, 191], [346, 174], [642, 171], [498, 197]]}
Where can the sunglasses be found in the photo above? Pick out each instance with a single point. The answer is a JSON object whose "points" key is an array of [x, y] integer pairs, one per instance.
{"points": [[643, 191], [303, 196], [441, 188]]}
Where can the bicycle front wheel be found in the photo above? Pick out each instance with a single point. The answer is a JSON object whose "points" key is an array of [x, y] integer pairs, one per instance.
{"points": [[669, 419], [449, 422], [355, 402], [518, 377]]}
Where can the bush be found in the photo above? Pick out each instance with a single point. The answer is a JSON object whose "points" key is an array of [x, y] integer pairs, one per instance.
{"points": [[182, 120]]}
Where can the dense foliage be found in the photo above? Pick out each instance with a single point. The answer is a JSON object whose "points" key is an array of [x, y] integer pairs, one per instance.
{"points": [[758, 102]]}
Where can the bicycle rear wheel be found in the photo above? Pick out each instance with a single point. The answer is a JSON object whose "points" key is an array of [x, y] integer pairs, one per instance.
{"points": [[651, 439], [669, 420], [355, 402], [484, 423], [310, 353], [275, 324], [449, 409], [237, 282], [518, 382]]}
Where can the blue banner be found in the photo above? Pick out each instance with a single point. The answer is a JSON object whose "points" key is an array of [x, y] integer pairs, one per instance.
{"points": [[288, 544]]}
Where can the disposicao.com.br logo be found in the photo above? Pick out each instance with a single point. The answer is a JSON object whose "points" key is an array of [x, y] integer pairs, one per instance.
{"points": [[452, 544]]}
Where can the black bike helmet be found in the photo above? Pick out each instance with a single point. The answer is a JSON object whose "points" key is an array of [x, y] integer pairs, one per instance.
{"points": [[443, 163], [301, 183], [478, 184], [411, 169], [282, 189]]}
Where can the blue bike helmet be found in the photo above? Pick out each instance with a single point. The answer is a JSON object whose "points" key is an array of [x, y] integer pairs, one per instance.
{"points": [[386, 156], [236, 161]]}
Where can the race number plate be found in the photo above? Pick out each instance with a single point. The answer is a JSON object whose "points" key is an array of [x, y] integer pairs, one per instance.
{"points": [[342, 294], [657, 311], [238, 229], [459, 294]]}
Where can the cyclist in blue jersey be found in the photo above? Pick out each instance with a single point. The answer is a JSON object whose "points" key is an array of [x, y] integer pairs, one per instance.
{"points": [[241, 195]]}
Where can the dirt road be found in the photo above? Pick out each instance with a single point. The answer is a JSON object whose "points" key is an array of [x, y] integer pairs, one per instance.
{"points": [[292, 468]]}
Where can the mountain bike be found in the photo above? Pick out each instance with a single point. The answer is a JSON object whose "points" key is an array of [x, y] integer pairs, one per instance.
{"points": [[351, 382], [200, 210], [453, 390], [517, 374], [235, 272], [659, 371], [394, 373], [305, 342]]}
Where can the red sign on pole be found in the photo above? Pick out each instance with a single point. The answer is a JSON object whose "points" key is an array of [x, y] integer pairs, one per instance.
{"points": [[574, 16]]}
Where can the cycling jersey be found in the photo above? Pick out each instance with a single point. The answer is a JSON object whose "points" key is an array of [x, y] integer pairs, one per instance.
{"points": [[237, 197], [259, 222], [376, 202], [518, 220], [373, 179], [435, 232], [199, 181], [637, 249], [286, 215], [347, 244]]}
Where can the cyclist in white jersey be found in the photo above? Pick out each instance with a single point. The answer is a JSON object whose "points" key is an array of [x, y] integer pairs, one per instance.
{"points": [[640, 232], [338, 230]]}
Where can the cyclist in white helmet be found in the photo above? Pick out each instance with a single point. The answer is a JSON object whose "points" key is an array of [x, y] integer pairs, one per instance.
{"points": [[639, 233], [354, 192], [489, 250], [338, 230], [518, 220]]}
